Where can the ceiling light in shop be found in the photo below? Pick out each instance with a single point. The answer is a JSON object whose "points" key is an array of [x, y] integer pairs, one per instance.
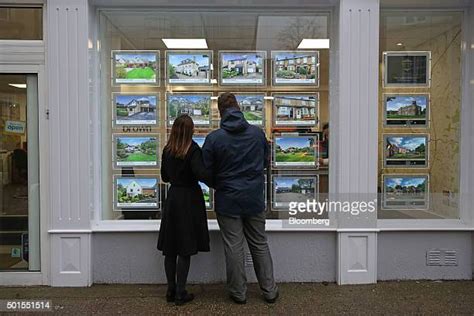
{"points": [[18, 85], [314, 43], [185, 43]]}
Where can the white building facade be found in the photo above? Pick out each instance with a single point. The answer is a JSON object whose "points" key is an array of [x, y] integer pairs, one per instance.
{"points": [[73, 233]]}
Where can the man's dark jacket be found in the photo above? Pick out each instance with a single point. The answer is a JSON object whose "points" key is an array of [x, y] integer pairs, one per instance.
{"points": [[237, 153]]}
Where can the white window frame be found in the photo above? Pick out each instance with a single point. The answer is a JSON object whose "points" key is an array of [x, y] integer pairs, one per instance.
{"points": [[466, 177], [100, 225], [26, 61]]}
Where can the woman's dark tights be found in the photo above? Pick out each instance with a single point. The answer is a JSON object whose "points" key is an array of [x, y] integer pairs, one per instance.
{"points": [[176, 269]]}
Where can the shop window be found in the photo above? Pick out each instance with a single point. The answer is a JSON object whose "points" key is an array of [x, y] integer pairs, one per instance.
{"points": [[21, 23], [420, 109], [146, 84], [19, 173]]}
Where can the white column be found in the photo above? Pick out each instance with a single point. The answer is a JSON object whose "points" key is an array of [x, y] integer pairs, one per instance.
{"points": [[357, 138], [68, 97]]}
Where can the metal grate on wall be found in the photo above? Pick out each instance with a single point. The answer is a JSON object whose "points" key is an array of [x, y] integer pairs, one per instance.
{"points": [[441, 257]]}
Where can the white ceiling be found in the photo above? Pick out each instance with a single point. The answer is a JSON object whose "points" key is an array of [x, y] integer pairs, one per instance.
{"points": [[222, 30]]}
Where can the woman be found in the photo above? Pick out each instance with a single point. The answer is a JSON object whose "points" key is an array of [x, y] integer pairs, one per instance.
{"points": [[183, 230]]}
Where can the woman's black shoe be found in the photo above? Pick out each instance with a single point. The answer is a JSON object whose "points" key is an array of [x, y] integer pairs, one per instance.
{"points": [[183, 298], [170, 296]]}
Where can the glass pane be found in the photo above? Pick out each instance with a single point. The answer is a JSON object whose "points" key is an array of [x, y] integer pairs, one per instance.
{"points": [[255, 55], [420, 108], [19, 205], [21, 23]]}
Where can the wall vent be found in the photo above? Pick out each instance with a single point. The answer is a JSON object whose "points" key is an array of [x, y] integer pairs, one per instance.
{"points": [[441, 257]]}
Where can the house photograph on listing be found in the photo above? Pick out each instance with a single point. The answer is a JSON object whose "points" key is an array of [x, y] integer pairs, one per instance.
{"points": [[136, 192], [242, 67], [135, 109], [188, 67], [295, 67], [295, 109]]}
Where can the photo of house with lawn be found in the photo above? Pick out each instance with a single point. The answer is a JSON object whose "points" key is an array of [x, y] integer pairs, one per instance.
{"points": [[133, 151], [135, 68], [288, 189], [405, 148], [197, 106], [251, 106], [295, 151], [136, 192], [191, 67], [135, 109], [295, 110], [295, 67], [242, 67], [403, 108]]}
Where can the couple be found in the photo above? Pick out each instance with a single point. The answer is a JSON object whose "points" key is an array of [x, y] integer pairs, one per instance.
{"points": [[232, 161]]}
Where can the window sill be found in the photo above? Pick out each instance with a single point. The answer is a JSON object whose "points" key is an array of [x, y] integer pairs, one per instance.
{"points": [[154, 226], [385, 225]]}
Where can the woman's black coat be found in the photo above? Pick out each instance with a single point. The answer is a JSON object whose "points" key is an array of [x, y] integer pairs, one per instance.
{"points": [[183, 229]]}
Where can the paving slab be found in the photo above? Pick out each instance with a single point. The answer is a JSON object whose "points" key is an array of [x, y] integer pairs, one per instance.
{"points": [[383, 298]]}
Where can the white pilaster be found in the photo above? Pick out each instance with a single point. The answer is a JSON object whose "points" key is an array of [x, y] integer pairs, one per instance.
{"points": [[357, 138], [68, 97]]}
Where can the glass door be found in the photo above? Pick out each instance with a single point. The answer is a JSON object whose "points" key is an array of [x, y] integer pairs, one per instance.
{"points": [[19, 173]]}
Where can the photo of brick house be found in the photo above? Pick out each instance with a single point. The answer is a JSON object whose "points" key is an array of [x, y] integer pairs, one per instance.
{"points": [[295, 67], [295, 109], [405, 147], [400, 109]]}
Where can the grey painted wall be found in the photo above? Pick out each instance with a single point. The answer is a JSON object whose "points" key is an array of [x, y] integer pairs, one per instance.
{"points": [[402, 255], [297, 256], [133, 258]]}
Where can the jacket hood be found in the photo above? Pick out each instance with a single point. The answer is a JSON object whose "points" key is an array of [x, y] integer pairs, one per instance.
{"points": [[233, 121]]}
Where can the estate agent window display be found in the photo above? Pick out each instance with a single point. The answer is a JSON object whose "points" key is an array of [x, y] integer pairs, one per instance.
{"points": [[419, 122], [281, 89]]}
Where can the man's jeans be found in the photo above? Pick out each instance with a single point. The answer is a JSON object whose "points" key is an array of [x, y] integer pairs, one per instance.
{"points": [[233, 230]]}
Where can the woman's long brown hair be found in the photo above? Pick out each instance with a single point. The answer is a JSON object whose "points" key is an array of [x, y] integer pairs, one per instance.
{"points": [[181, 136]]}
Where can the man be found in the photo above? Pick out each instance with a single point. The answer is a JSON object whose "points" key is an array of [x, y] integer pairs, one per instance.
{"points": [[238, 153]]}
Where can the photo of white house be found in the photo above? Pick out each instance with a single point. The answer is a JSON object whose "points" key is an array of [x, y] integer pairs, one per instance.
{"points": [[252, 106], [189, 67], [136, 192], [135, 109], [242, 67]]}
